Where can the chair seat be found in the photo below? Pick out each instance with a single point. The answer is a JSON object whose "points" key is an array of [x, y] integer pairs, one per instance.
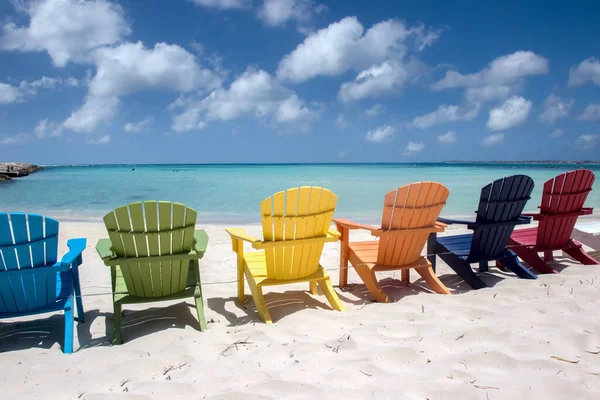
{"points": [[124, 297], [459, 245], [527, 236], [257, 266], [367, 253]]}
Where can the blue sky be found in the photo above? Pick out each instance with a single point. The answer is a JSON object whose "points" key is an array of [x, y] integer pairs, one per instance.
{"points": [[205, 81]]}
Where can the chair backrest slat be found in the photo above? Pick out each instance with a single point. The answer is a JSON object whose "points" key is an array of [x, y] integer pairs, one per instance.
{"points": [[412, 206], [297, 213], [563, 194], [501, 201]]}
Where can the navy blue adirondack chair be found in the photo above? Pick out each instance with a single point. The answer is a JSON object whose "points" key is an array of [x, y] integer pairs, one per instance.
{"points": [[500, 208], [31, 280]]}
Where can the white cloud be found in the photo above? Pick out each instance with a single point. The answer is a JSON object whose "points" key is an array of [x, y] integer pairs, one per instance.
{"points": [[26, 89], [375, 111], [511, 113], [591, 113], [343, 154], [101, 140], [385, 78], [278, 12], [73, 82], [587, 70], [94, 111], [447, 113], [253, 93], [556, 133], [66, 29], [587, 142], [490, 92], [501, 78], [382, 134], [343, 46], [223, 4], [448, 138], [413, 148], [45, 128], [19, 138], [130, 67], [8, 93], [341, 122], [493, 139], [555, 108], [137, 127], [501, 71]]}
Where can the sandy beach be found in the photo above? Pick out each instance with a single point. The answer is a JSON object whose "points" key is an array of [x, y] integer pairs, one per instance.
{"points": [[516, 339]]}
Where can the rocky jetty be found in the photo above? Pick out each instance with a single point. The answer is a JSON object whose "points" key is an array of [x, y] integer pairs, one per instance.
{"points": [[10, 170]]}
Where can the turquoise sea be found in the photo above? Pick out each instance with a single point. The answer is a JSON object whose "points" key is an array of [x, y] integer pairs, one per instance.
{"points": [[231, 193]]}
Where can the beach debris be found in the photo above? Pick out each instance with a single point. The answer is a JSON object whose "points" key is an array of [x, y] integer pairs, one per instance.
{"points": [[593, 352], [364, 373], [235, 344], [460, 337], [486, 387], [334, 349], [463, 363], [422, 308], [565, 360], [125, 382]]}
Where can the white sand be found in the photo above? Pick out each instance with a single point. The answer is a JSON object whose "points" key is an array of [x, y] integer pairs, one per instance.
{"points": [[495, 343]]}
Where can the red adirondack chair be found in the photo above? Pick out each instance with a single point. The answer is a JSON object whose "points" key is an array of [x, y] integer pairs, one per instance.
{"points": [[562, 203]]}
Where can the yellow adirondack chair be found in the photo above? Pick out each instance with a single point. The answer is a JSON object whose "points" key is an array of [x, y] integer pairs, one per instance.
{"points": [[409, 216], [295, 228]]}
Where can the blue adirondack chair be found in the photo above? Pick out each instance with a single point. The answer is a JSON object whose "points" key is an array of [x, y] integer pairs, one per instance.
{"points": [[500, 208], [31, 280]]}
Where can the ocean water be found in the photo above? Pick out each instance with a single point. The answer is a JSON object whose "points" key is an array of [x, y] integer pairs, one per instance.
{"points": [[231, 193]]}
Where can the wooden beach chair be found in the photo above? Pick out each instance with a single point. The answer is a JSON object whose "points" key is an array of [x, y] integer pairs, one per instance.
{"points": [[31, 279], [409, 217], [562, 203], [295, 228], [153, 251], [500, 207]]}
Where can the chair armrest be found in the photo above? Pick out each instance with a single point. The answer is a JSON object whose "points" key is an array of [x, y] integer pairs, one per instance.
{"points": [[104, 249], [334, 234], [76, 247], [540, 217], [346, 223], [240, 234], [523, 220], [450, 221], [200, 241]]}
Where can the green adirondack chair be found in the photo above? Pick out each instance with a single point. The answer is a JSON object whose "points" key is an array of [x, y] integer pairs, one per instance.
{"points": [[153, 252]]}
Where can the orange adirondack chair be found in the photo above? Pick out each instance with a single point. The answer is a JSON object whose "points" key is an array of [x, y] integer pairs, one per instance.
{"points": [[409, 216]]}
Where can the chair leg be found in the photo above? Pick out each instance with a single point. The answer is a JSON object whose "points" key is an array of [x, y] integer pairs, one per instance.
{"points": [[313, 288], [240, 279], [548, 256], [511, 261], [368, 277], [200, 308], [259, 302], [78, 300], [69, 320], [117, 324], [532, 258], [405, 274], [331, 295], [464, 270], [580, 255], [432, 280]]}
